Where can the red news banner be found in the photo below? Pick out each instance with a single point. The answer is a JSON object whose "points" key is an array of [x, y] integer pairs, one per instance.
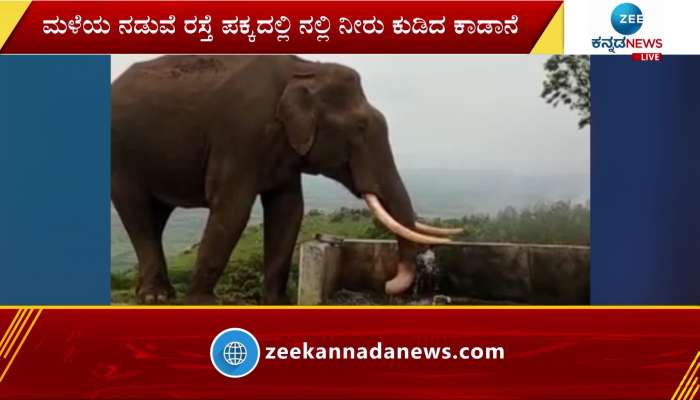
{"points": [[594, 353], [281, 27]]}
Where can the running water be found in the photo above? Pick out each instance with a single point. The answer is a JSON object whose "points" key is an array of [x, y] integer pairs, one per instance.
{"points": [[425, 287], [426, 290], [427, 275]]}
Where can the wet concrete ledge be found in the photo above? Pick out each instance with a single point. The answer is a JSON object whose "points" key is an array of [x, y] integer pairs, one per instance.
{"points": [[500, 272]]}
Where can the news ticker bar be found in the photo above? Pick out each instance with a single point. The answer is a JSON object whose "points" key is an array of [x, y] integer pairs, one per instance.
{"points": [[110, 27], [474, 352]]}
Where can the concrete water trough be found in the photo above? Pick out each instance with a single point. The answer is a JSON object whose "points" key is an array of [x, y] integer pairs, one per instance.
{"points": [[459, 273]]}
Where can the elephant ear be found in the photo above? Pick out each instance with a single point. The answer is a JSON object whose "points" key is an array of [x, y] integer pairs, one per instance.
{"points": [[296, 112]]}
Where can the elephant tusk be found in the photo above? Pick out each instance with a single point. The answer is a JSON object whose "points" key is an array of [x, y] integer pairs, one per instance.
{"points": [[434, 230], [385, 218]]}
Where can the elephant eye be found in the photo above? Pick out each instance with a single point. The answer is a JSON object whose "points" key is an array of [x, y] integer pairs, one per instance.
{"points": [[360, 134], [362, 125]]}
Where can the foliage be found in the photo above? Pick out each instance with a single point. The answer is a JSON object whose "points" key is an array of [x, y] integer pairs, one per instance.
{"points": [[123, 281], [556, 223], [568, 83], [243, 283], [376, 230], [353, 214]]}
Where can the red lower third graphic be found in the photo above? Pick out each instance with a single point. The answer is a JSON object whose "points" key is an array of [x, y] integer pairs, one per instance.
{"points": [[413, 353]]}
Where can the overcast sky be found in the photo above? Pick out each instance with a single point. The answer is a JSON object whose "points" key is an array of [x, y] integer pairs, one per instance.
{"points": [[464, 111]]}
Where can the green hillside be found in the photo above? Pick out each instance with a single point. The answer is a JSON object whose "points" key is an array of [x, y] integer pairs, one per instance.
{"points": [[243, 276], [546, 223]]}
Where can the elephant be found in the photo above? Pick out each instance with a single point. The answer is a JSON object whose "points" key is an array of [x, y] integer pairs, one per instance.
{"points": [[219, 131]]}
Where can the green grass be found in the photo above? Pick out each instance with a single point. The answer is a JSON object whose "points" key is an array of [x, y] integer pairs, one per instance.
{"points": [[241, 281]]}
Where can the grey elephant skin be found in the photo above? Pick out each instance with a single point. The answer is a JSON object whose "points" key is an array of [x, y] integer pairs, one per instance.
{"points": [[216, 132]]}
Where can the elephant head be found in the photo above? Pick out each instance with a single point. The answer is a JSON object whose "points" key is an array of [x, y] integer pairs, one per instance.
{"points": [[330, 123]]}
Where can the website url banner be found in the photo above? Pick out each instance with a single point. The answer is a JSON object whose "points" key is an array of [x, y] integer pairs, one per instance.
{"points": [[380, 351], [412, 353]]}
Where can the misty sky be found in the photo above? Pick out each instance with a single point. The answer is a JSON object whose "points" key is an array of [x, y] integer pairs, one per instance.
{"points": [[464, 111]]}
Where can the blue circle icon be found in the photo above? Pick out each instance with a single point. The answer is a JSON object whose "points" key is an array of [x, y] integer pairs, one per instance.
{"points": [[234, 352], [627, 19]]}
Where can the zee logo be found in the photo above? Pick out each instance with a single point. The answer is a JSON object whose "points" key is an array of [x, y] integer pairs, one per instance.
{"points": [[627, 18]]}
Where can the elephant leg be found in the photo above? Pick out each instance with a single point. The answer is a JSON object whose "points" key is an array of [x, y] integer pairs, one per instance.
{"points": [[144, 219], [283, 212], [224, 227], [161, 214]]}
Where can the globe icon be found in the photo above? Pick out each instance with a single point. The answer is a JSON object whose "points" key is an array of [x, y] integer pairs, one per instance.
{"points": [[235, 353]]}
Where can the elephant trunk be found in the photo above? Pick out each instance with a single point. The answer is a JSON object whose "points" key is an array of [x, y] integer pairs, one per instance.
{"points": [[393, 209], [376, 178]]}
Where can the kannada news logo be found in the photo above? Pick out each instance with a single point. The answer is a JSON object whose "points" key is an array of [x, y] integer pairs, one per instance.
{"points": [[627, 19]]}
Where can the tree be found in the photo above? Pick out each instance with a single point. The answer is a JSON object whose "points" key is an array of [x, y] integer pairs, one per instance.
{"points": [[568, 83]]}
